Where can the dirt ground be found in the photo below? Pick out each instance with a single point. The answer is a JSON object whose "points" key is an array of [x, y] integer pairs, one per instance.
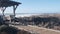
{"points": [[38, 30]]}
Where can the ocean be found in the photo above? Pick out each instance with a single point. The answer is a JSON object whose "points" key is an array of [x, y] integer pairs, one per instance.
{"points": [[22, 14]]}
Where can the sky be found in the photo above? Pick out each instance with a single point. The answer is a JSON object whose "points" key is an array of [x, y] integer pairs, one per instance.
{"points": [[36, 6]]}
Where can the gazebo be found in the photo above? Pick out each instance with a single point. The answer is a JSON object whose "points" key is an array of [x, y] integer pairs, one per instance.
{"points": [[8, 3]]}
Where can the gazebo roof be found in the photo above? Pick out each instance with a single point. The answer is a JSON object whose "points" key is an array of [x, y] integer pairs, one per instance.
{"points": [[8, 3]]}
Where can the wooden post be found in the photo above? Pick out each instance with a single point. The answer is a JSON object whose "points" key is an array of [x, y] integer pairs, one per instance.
{"points": [[14, 9], [3, 9]]}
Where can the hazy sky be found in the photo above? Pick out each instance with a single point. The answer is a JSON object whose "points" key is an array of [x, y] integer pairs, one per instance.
{"points": [[37, 6]]}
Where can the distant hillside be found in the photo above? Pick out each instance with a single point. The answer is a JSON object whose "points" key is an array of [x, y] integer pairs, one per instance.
{"points": [[47, 21]]}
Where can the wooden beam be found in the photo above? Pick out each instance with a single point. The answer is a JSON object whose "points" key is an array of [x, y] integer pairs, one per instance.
{"points": [[14, 9]]}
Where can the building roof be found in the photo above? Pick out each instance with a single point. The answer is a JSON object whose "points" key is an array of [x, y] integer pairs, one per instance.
{"points": [[8, 3]]}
